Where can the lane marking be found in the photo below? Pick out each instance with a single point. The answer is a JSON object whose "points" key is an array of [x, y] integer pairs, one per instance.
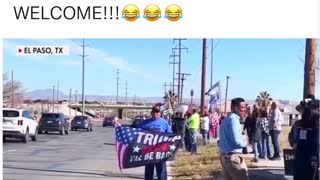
{"points": [[11, 150]]}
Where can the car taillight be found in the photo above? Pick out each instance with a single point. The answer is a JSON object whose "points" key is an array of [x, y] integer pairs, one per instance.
{"points": [[20, 122]]}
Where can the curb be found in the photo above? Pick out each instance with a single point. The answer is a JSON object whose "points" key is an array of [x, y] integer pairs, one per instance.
{"points": [[169, 177]]}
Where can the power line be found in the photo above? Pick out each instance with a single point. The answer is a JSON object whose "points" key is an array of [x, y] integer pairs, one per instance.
{"points": [[183, 78], [179, 47], [83, 65], [174, 63], [117, 100]]}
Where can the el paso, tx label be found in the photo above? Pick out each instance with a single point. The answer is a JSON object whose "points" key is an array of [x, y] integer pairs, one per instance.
{"points": [[42, 50]]}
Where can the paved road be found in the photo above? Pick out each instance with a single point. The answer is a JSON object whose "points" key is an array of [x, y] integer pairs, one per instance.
{"points": [[81, 155]]}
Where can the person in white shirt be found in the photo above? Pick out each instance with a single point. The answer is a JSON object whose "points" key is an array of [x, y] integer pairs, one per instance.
{"points": [[205, 127], [275, 123]]}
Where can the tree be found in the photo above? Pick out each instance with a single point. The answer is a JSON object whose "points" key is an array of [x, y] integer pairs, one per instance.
{"points": [[264, 100], [12, 88]]}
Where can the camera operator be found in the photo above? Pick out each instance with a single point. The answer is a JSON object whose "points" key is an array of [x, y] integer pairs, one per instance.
{"points": [[304, 139]]}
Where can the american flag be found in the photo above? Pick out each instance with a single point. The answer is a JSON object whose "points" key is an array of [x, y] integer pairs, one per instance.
{"points": [[214, 119], [166, 108], [124, 137]]}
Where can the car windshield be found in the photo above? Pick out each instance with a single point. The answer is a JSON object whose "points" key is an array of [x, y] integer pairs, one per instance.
{"points": [[51, 116], [10, 113], [80, 118]]}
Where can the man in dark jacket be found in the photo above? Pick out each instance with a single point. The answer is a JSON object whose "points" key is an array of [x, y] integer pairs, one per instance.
{"points": [[179, 126]]}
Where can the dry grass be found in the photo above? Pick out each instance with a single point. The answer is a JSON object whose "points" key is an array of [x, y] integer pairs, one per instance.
{"points": [[207, 163]]}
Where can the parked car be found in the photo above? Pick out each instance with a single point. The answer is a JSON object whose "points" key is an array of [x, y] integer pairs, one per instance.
{"points": [[50, 122], [81, 122], [108, 121], [18, 123]]}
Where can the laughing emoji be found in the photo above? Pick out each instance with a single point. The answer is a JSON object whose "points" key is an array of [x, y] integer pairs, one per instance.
{"points": [[131, 12], [173, 12], [152, 12]]}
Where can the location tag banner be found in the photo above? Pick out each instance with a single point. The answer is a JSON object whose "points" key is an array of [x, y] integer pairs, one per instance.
{"points": [[136, 147], [42, 50]]}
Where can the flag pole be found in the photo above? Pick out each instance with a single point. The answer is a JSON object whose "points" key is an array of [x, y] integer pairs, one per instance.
{"points": [[220, 96], [121, 174]]}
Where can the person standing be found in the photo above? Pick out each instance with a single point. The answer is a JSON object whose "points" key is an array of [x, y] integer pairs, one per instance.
{"points": [[155, 124], [256, 134], [265, 145], [193, 126], [249, 125], [179, 126], [232, 141], [275, 126], [205, 128]]}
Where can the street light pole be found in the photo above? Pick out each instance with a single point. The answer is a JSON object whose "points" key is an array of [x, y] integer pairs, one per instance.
{"points": [[83, 57], [226, 98]]}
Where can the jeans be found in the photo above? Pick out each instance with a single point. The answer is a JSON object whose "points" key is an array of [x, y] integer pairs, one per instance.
{"points": [[193, 140], [161, 169], [205, 136], [257, 149], [187, 140], [275, 142], [265, 150]]}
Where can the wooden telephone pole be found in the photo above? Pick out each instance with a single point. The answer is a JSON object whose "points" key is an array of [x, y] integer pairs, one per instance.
{"points": [[310, 67], [203, 77]]}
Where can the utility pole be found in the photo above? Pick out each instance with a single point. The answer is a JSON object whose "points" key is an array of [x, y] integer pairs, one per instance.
{"points": [[58, 92], [83, 55], [117, 87], [126, 92], [226, 98], [310, 67], [126, 100], [174, 63], [70, 95], [179, 48], [165, 85], [53, 89], [203, 77], [76, 102], [191, 95], [211, 77], [183, 77], [12, 90]]}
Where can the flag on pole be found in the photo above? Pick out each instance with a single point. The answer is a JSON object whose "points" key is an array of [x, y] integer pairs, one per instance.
{"points": [[214, 93]]}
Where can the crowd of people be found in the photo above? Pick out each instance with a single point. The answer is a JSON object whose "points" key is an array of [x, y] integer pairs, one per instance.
{"points": [[190, 123], [260, 125]]}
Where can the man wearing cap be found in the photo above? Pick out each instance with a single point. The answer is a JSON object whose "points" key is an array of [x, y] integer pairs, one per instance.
{"points": [[157, 124]]}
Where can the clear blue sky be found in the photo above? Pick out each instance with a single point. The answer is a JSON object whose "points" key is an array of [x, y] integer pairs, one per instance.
{"points": [[254, 65]]}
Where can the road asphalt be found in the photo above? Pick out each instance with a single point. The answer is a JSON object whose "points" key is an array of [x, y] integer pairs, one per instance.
{"points": [[81, 155]]}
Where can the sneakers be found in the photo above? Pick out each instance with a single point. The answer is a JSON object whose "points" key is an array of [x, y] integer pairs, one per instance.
{"points": [[275, 158], [255, 160]]}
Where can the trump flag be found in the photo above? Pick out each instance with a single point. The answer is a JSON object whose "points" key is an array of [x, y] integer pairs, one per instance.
{"points": [[136, 147], [214, 93]]}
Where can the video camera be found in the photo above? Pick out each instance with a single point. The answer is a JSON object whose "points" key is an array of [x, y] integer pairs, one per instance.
{"points": [[310, 103]]}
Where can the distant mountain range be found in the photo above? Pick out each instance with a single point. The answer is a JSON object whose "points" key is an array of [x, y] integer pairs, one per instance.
{"points": [[45, 94]]}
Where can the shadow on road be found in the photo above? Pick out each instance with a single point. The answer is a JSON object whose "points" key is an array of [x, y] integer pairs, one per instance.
{"points": [[107, 173], [266, 174], [109, 144]]}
